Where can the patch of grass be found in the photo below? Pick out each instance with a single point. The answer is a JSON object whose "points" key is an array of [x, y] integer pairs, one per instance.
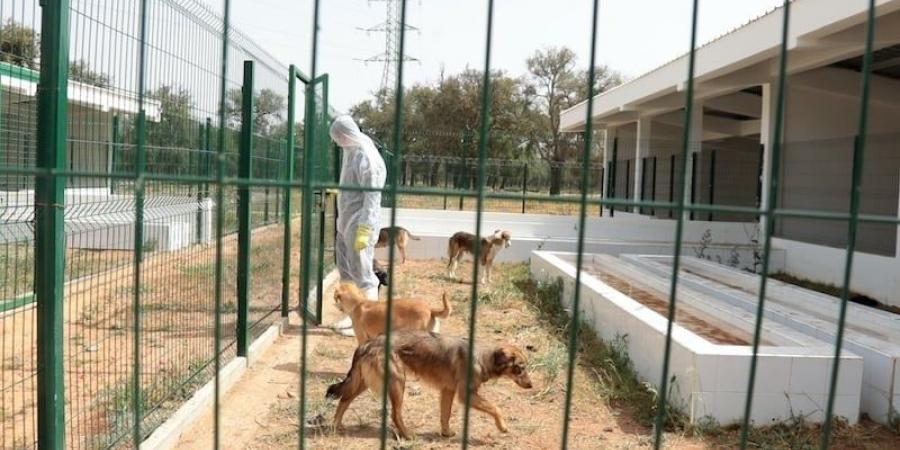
{"points": [[329, 353], [833, 291], [792, 434], [151, 307], [14, 362], [128, 291], [201, 270], [608, 363], [159, 398]]}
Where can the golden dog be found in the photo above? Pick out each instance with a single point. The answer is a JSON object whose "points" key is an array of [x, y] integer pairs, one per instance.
{"points": [[369, 317], [439, 361]]}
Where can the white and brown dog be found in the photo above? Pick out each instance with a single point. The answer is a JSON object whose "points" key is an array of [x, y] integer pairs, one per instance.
{"points": [[462, 243]]}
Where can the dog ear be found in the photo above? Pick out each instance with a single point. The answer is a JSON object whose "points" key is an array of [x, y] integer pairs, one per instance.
{"points": [[501, 359]]}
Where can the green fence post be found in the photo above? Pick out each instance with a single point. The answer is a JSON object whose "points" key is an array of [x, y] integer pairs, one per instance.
{"points": [[220, 223], [463, 174], [324, 123], [613, 167], [524, 185], [139, 186], [289, 177], [306, 222], [767, 213], [672, 160], [244, 172], [446, 182], [712, 182], [207, 155], [49, 234], [582, 225], [483, 140], [628, 184], [114, 152], [662, 398], [653, 188], [602, 171], [201, 155]]}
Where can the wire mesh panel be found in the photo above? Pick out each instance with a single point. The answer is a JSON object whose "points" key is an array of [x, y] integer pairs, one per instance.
{"points": [[152, 162], [142, 107], [19, 75]]}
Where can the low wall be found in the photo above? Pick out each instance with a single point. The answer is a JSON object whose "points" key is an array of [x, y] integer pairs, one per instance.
{"points": [[711, 380], [873, 275], [726, 242]]}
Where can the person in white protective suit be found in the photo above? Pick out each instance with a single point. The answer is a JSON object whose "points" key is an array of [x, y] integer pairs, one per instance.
{"points": [[359, 212]]}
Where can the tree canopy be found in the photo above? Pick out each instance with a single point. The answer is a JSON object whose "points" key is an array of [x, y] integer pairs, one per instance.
{"points": [[82, 72], [19, 44], [442, 118]]}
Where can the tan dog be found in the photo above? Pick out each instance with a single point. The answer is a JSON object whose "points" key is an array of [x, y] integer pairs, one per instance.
{"points": [[401, 239], [439, 361], [369, 317], [462, 243]]}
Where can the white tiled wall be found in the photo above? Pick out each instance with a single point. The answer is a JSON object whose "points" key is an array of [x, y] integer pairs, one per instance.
{"points": [[711, 380]]}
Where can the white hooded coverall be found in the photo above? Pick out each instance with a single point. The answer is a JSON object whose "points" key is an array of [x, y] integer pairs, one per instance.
{"points": [[363, 166]]}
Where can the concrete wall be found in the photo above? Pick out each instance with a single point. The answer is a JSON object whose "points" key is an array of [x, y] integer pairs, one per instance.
{"points": [[817, 162], [626, 233], [873, 275]]}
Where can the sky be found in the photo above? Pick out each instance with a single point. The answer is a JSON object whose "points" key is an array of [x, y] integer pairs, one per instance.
{"points": [[634, 36]]}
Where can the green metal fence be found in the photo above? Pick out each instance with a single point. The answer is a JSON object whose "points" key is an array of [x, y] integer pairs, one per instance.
{"points": [[174, 119]]}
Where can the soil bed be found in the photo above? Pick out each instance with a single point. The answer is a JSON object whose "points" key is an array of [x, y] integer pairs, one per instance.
{"points": [[660, 306]]}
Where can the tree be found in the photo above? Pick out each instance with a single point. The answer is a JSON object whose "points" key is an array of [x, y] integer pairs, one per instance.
{"points": [[19, 44], [558, 86], [268, 110], [81, 71], [169, 139]]}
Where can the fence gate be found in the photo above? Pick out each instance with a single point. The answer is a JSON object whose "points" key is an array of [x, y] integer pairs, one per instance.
{"points": [[319, 165]]}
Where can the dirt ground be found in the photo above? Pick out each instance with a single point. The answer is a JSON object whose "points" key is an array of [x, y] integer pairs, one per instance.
{"points": [[261, 411], [177, 319]]}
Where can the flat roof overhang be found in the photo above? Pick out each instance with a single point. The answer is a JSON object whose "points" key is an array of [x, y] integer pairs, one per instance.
{"points": [[821, 33]]}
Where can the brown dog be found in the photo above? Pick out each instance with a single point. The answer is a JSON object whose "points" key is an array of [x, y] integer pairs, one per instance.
{"points": [[369, 317], [439, 361], [401, 238], [462, 243]]}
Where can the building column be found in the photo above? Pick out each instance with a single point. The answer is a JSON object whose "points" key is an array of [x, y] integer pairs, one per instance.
{"points": [[766, 140], [641, 150], [695, 146]]}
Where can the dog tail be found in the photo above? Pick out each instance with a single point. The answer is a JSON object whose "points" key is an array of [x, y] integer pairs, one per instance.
{"points": [[412, 236], [442, 313], [337, 390]]}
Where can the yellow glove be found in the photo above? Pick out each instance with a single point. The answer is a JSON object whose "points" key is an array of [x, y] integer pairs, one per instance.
{"points": [[362, 237]]}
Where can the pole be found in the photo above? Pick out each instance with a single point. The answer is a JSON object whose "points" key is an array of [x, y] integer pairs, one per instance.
{"points": [[524, 185], [289, 176], [49, 238], [244, 172]]}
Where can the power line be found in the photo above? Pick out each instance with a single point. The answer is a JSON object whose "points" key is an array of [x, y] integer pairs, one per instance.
{"points": [[391, 29]]}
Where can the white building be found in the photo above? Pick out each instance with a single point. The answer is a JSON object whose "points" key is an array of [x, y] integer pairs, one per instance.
{"points": [[731, 140], [97, 216]]}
